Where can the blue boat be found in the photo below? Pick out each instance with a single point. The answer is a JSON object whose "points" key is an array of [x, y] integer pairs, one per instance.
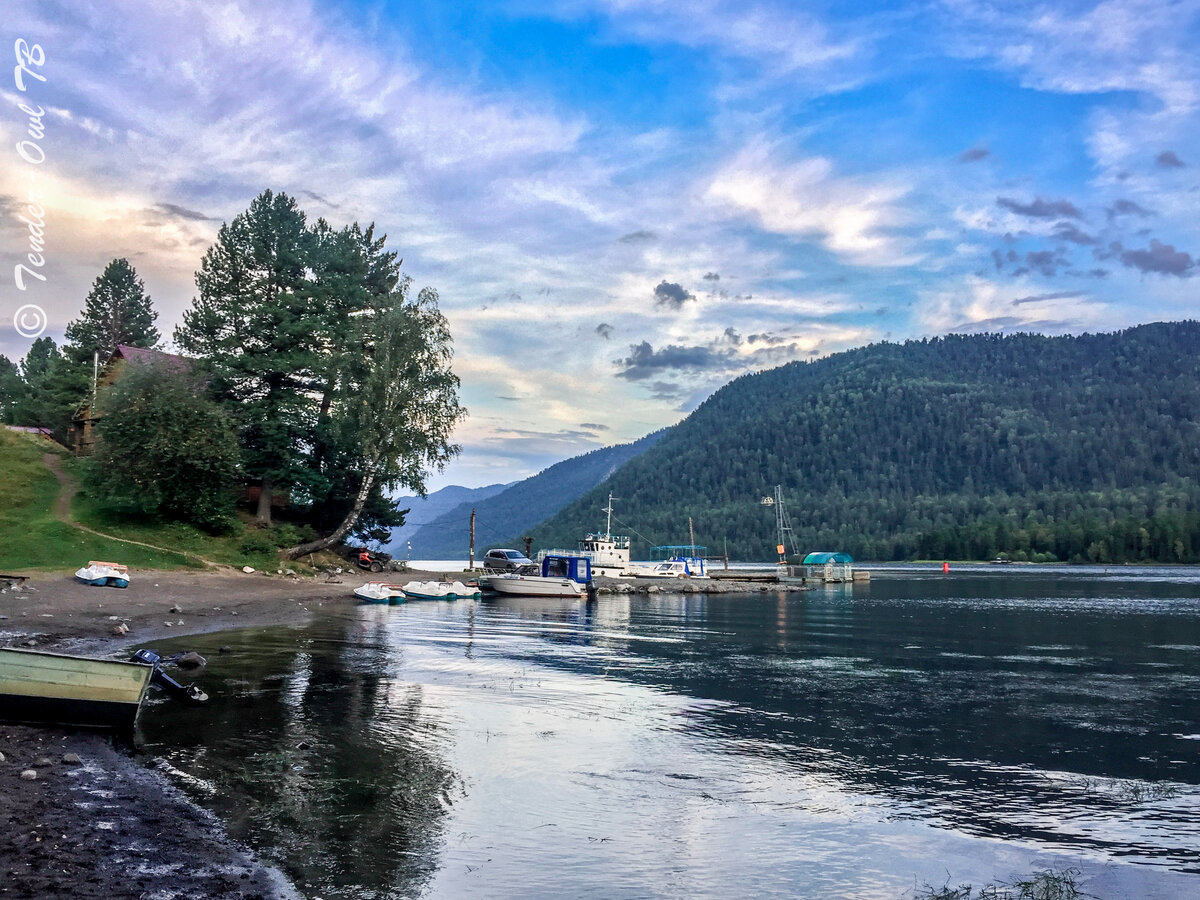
{"points": [[104, 573]]}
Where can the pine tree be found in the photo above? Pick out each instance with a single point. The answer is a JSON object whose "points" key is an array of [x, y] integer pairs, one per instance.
{"points": [[117, 311], [254, 324]]}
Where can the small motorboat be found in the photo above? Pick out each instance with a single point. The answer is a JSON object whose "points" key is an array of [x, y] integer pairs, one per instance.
{"points": [[561, 576], [56, 688], [441, 590], [380, 592], [104, 573]]}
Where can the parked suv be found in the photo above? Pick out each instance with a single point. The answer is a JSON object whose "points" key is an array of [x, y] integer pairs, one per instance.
{"points": [[505, 560]]}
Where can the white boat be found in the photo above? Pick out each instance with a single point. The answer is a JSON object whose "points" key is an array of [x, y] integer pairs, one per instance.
{"points": [[440, 590], [104, 573], [608, 553], [561, 576], [380, 592], [675, 567]]}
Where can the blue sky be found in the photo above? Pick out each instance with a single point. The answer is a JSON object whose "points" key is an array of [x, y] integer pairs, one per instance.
{"points": [[626, 203]]}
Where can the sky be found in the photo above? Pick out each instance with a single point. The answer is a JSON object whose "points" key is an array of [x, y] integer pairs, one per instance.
{"points": [[623, 204]]}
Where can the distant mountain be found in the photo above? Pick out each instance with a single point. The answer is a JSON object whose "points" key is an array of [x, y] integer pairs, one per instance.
{"points": [[423, 510], [503, 518], [1080, 448]]}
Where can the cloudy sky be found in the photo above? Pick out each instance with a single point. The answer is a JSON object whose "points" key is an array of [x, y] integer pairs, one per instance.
{"points": [[624, 203]]}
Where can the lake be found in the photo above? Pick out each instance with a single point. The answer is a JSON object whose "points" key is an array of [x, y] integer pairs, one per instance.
{"points": [[868, 741]]}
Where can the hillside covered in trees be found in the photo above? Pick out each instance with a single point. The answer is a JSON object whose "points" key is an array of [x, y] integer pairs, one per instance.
{"points": [[1079, 448], [503, 519]]}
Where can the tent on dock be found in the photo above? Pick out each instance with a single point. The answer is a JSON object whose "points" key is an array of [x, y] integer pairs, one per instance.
{"points": [[824, 565]]}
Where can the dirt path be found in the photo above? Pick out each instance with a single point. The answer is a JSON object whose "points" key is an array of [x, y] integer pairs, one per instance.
{"points": [[68, 487]]}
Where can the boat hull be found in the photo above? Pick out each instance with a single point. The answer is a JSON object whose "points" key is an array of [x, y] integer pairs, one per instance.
{"points": [[71, 690], [535, 586]]}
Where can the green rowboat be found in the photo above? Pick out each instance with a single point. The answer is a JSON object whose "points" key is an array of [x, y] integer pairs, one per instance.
{"points": [[71, 690]]}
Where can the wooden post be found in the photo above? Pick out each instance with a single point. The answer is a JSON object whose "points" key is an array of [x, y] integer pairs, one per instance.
{"points": [[471, 553]]}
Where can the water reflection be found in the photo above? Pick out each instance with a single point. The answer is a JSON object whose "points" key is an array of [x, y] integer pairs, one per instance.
{"points": [[313, 751], [858, 738]]}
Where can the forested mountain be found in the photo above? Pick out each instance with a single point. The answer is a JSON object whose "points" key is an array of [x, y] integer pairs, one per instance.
{"points": [[424, 510], [1083, 448], [504, 519], [501, 520]]}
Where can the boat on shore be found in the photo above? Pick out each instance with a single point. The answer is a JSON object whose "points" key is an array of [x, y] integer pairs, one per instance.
{"points": [[380, 592], [440, 590], [561, 576], [60, 689], [104, 573]]}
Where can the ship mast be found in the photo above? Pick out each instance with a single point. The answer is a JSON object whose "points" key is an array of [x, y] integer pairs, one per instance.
{"points": [[608, 525]]}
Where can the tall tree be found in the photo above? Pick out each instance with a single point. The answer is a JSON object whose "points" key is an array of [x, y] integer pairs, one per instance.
{"points": [[117, 311], [54, 386], [165, 449], [12, 390], [255, 325], [397, 401]]}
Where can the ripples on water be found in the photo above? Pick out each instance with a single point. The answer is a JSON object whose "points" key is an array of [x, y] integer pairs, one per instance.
{"points": [[838, 743]]}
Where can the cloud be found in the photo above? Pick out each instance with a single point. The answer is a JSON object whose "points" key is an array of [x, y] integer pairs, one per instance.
{"points": [[637, 237], [1065, 231], [1168, 160], [854, 218], [645, 362], [1041, 208], [1127, 208], [185, 213], [974, 154], [1042, 298], [712, 276], [1047, 262], [1161, 258], [605, 331], [671, 295], [594, 426], [777, 37]]}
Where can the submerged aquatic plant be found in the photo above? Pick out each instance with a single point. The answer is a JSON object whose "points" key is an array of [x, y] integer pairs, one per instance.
{"points": [[1047, 884]]}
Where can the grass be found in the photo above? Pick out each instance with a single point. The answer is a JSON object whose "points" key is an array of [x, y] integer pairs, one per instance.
{"points": [[32, 538], [1047, 884]]}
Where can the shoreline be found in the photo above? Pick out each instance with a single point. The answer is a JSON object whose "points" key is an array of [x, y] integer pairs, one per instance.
{"points": [[97, 820]]}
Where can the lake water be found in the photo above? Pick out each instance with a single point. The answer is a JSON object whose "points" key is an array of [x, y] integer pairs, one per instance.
{"points": [[861, 741]]}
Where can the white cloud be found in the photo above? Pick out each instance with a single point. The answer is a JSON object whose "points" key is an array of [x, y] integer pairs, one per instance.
{"points": [[852, 217]]}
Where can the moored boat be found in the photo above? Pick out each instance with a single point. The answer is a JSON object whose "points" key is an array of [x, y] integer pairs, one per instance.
{"points": [[380, 592], [440, 590], [104, 573], [561, 576], [71, 690], [675, 567], [608, 553]]}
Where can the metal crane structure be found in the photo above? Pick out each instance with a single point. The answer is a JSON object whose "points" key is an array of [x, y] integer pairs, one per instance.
{"points": [[783, 524]]}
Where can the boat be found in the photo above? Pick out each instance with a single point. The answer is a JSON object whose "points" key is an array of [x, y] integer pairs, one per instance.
{"points": [[561, 576], [440, 590], [36, 686], [104, 573], [675, 567], [608, 553], [380, 592]]}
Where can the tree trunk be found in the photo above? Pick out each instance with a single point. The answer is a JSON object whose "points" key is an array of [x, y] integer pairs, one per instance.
{"points": [[347, 523], [264, 503]]}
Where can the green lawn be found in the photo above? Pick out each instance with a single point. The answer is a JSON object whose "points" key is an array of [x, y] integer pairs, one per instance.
{"points": [[32, 538]]}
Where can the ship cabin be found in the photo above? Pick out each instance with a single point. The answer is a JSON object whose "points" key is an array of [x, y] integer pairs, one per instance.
{"points": [[828, 566]]}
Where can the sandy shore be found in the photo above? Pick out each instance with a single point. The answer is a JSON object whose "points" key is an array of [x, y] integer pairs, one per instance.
{"points": [[97, 821]]}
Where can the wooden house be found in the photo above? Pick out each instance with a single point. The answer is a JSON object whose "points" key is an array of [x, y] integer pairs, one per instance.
{"points": [[82, 434]]}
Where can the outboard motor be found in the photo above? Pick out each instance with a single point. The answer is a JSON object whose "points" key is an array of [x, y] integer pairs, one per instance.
{"points": [[189, 694]]}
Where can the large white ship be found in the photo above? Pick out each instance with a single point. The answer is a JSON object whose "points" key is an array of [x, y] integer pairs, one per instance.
{"points": [[608, 552]]}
